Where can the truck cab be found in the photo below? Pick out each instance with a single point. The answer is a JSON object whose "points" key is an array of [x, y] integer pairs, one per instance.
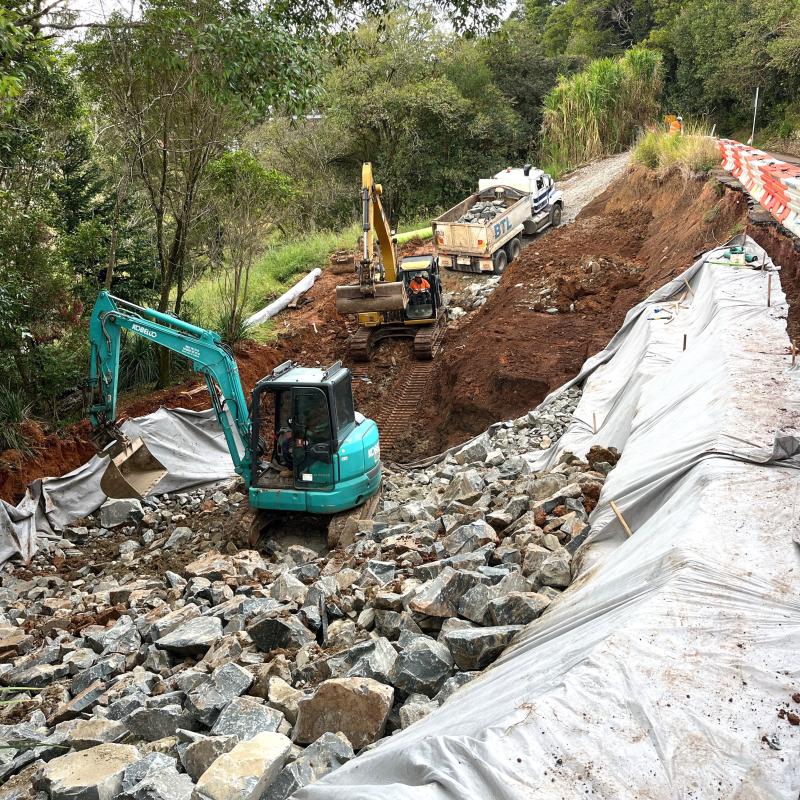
{"points": [[311, 451]]}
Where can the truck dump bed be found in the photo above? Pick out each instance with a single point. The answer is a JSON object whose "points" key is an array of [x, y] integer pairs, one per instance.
{"points": [[481, 224]]}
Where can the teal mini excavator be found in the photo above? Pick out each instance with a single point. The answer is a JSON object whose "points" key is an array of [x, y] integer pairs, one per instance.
{"points": [[299, 447]]}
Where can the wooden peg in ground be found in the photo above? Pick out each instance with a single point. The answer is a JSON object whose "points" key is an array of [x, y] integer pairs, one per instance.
{"points": [[618, 513]]}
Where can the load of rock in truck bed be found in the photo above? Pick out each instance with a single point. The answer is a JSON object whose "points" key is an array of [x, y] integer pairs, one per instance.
{"points": [[484, 211]]}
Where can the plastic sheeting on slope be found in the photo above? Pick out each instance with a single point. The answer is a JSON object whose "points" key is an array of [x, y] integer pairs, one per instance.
{"points": [[277, 305], [190, 444], [660, 672]]}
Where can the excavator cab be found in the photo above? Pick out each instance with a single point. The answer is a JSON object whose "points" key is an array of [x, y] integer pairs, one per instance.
{"points": [[311, 451], [421, 280]]}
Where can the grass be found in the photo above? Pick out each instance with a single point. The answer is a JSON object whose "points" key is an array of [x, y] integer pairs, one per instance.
{"points": [[15, 410], [599, 111], [695, 152], [278, 270]]}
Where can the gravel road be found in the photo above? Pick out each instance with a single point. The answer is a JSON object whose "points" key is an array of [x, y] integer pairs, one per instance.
{"points": [[585, 183]]}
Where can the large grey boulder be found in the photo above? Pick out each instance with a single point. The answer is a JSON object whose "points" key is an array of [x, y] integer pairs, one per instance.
{"points": [[246, 717], [415, 708], [476, 648], [158, 783], [555, 570], [192, 637], [330, 751], [422, 666], [517, 608], [272, 633], [375, 659], [152, 724], [200, 755], [210, 696], [117, 512]]}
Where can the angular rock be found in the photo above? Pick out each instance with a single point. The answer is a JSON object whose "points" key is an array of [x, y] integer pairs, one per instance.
{"points": [[93, 774], [246, 717], [415, 708], [475, 451], [556, 570], [200, 755], [358, 707], [271, 633], [164, 783], [452, 685], [330, 751], [467, 538], [439, 597], [533, 559], [192, 637], [284, 697], [247, 771], [476, 648], [179, 537], [117, 512], [151, 724], [371, 659], [517, 608], [422, 667], [466, 487], [95, 731]]}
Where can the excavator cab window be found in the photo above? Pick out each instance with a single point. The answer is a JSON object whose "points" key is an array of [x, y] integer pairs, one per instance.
{"points": [[312, 443], [420, 286]]}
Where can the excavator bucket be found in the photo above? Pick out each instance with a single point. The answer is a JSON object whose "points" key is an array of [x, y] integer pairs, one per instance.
{"points": [[389, 296], [132, 472]]}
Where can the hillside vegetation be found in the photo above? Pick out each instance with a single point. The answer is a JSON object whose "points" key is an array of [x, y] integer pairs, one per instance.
{"points": [[212, 147]]}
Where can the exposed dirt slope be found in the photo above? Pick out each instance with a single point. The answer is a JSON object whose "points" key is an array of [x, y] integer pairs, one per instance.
{"points": [[640, 232]]}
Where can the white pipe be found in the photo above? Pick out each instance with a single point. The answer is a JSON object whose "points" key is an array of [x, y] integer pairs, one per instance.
{"points": [[284, 300]]}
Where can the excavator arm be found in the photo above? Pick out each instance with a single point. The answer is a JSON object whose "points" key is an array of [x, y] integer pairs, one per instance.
{"points": [[374, 223], [374, 292], [203, 348]]}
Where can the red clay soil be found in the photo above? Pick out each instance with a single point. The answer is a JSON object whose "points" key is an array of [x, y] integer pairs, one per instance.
{"points": [[312, 334], [627, 242], [500, 361], [785, 252]]}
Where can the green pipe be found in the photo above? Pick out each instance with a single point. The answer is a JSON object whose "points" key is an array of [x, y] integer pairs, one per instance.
{"points": [[420, 233]]}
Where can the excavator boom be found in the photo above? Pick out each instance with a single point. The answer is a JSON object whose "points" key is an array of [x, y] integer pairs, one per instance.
{"points": [[374, 292], [133, 470]]}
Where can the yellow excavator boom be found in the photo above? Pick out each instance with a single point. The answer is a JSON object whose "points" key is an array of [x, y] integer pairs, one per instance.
{"points": [[373, 293]]}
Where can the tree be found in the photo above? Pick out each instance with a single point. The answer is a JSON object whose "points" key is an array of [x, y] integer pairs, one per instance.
{"points": [[246, 197], [424, 109], [176, 89]]}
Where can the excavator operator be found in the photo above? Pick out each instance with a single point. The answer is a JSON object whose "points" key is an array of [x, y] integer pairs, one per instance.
{"points": [[419, 287]]}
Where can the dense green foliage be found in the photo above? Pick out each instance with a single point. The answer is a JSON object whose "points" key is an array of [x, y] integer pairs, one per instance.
{"points": [[600, 110], [198, 156]]}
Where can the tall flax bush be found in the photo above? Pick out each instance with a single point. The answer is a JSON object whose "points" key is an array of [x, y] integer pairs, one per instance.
{"points": [[600, 110]]}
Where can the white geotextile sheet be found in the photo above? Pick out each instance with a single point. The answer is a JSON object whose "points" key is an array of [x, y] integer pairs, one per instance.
{"points": [[277, 305], [190, 445], [660, 672]]}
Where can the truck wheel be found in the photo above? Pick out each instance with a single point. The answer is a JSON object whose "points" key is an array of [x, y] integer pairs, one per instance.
{"points": [[514, 248], [500, 259], [555, 215]]}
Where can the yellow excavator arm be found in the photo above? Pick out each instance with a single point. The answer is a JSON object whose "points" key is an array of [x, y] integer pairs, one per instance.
{"points": [[374, 292], [375, 223]]}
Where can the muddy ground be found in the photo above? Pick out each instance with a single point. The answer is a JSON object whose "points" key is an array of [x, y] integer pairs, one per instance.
{"points": [[561, 301]]}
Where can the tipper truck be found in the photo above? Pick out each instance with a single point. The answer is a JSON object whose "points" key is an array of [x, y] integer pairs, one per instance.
{"points": [[483, 233]]}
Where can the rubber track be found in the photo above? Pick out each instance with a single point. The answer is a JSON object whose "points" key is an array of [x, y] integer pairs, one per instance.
{"points": [[407, 399]]}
